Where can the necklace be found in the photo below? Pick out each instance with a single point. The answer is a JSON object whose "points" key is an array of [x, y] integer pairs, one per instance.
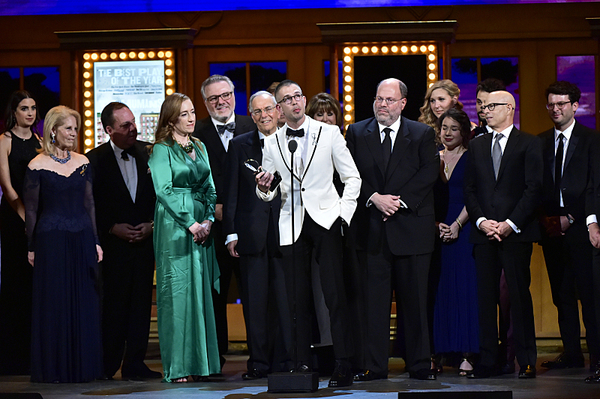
{"points": [[189, 147], [61, 160], [450, 160]]}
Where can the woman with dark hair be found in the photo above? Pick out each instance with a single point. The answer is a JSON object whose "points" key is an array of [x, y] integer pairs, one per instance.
{"points": [[455, 321], [323, 107], [186, 266], [18, 146], [64, 252]]}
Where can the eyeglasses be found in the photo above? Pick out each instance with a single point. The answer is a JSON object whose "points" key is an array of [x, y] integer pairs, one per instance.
{"points": [[389, 100], [491, 106], [560, 105], [224, 96], [266, 110], [288, 99]]}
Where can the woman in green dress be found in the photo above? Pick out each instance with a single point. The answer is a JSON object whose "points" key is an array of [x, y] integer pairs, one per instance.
{"points": [[186, 267]]}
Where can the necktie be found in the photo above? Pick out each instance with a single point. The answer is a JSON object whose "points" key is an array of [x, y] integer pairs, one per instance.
{"points": [[497, 154], [262, 143], [295, 133], [558, 160], [386, 146], [127, 152], [230, 127]]}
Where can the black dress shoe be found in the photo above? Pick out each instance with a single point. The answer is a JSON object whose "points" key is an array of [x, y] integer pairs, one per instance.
{"points": [[527, 372], [369, 375], [480, 371], [423, 374], [140, 372], [303, 368], [564, 361], [508, 368], [342, 375], [595, 378], [254, 374]]}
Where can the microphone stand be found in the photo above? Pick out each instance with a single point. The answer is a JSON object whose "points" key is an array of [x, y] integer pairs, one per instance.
{"points": [[297, 381]]}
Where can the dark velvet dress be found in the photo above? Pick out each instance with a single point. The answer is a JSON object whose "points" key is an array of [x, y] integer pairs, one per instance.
{"points": [[455, 324], [66, 343], [15, 292]]}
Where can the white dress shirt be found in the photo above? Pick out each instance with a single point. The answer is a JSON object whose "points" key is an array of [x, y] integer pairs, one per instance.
{"points": [[128, 170]]}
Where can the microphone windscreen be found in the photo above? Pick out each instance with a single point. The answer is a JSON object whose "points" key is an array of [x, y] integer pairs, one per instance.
{"points": [[292, 146]]}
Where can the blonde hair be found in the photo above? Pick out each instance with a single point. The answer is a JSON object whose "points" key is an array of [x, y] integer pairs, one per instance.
{"points": [[427, 115], [55, 118], [169, 116]]}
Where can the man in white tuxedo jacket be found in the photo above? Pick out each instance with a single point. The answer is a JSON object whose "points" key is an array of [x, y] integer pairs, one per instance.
{"points": [[318, 216]]}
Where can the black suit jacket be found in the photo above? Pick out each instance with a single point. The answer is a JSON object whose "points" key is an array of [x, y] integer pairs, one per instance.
{"points": [[206, 132], [112, 199], [517, 192], [577, 172], [243, 212], [412, 172]]}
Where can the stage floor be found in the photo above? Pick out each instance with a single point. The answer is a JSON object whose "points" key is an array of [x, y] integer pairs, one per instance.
{"points": [[548, 384]]}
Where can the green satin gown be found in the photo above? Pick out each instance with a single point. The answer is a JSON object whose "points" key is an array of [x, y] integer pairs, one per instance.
{"points": [[185, 271]]}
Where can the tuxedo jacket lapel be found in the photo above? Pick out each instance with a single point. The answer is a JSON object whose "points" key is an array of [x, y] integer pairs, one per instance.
{"points": [[511, 144], [572, 146], [312, 141], [141, 163], [373, 139], [400, 145], [251, 147], [112, 169], [282, 145]]}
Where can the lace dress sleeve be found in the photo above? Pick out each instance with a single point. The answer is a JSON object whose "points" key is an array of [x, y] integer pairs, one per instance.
{"points": [[31, 197], [88, 200]]}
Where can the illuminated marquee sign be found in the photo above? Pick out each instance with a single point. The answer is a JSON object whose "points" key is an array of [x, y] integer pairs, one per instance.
{"points": [[141, 80]]}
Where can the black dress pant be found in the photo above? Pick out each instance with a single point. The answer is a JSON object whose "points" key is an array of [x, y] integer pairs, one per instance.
{"points": [[569, 263], [514, 258], [296, 261], [127, 278], [409, 277]]}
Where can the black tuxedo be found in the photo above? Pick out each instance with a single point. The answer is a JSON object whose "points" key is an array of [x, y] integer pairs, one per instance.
{"points": [[569, 257], [397, 251], [127, 268], [255, 223], [207, 133], [593, 208], [515, 195]]}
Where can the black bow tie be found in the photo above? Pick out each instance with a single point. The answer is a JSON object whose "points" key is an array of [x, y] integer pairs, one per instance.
{"points": [[295, 133], [230, 127], [128, 152]]}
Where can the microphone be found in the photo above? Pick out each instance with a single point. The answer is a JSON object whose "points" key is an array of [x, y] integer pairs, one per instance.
{"points": [[292, 146]]}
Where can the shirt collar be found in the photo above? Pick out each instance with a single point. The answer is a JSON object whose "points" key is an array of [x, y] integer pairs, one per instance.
{"points": [[217, 123], [505, 132], [567, 132], [394, 126]]}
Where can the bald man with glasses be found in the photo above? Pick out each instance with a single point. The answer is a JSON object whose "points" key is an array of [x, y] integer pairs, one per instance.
{"points": [[503, 186]]}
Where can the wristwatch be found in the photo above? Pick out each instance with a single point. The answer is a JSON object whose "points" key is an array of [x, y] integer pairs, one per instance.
{"points": [[570, 219]]}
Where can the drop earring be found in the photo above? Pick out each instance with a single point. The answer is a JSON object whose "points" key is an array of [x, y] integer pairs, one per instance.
{"points": [[53, 138]]}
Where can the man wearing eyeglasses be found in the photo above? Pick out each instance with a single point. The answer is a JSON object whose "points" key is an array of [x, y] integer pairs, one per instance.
{"points": [[251, 228], [318, 149], [568, 156], [395, 227], [215, 132], [503, 184]]}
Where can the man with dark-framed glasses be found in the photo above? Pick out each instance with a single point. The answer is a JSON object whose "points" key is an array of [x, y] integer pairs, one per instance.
{"points": [[215, 132], [503, 183], [568, 162]]}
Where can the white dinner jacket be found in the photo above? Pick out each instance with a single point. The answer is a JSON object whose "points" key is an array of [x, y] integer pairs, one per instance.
{"points": [[326, 151]]}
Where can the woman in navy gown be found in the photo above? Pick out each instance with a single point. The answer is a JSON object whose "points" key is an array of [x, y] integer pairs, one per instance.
{"points": [[64, 253], [455, 325], [18, 146]]}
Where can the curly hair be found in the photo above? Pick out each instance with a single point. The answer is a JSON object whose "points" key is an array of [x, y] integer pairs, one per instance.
{"points": [[427, 115], [564, 88]]}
